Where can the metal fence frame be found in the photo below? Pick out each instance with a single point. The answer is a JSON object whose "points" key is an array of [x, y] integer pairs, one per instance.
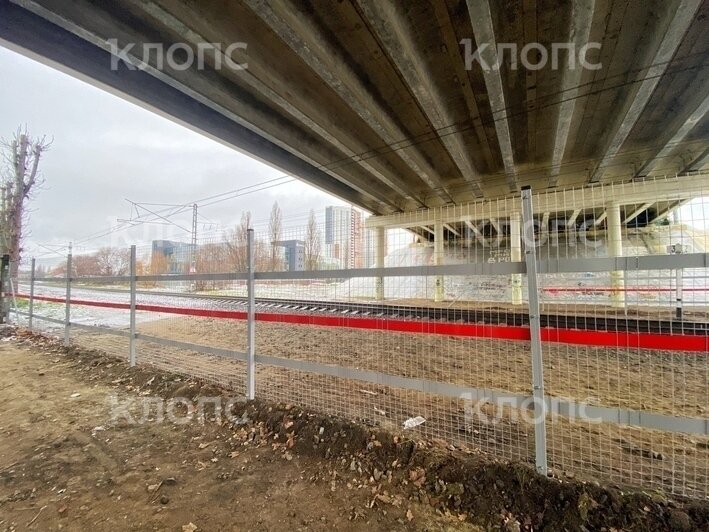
{"points": [[531, 266]]}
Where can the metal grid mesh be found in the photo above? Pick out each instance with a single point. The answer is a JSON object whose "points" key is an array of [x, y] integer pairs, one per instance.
{"points": [[355, 345], [668, 381]]}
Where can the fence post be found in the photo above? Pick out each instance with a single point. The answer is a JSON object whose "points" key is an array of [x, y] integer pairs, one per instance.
{"points": [[250, 323], [530, 257], [67, 304], [131, 357], [31, 305]]}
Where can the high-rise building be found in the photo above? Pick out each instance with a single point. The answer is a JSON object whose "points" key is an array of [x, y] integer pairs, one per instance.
{"points": [[344, 235]]}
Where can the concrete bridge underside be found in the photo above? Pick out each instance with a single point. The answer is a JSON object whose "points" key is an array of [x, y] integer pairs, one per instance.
{"points": [[372, 101]]}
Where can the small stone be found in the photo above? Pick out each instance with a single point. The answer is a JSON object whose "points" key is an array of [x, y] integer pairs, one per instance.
{"points": [[152, 488], [512, 525], [680, 521], [169, 481], [164, 499]]}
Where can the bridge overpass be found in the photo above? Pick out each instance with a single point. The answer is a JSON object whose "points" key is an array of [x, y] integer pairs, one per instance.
{"points": [[386, 104]]}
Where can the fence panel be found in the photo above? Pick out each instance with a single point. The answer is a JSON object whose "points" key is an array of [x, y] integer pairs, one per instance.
{"points": [[435, 337]]}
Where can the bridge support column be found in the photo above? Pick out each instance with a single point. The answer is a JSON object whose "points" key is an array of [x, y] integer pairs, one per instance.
{"points": [[379, 254], [615, 249], [438, 293], [516, 256]]}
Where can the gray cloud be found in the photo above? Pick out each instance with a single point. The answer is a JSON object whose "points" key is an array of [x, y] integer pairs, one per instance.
{"points": [[107, 149]]}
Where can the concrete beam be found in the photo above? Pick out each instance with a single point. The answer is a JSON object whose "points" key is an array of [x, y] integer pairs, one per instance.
{"points": [[478, 235], [553, 201], [698, 163], [579, 31], [682, 17], [325, 59], [637, 212], [56, 43], [669, 209], [600, 219], [451, 230], [395, 35], [689, 123], [571, 222], [296, 105], [481, 20]]}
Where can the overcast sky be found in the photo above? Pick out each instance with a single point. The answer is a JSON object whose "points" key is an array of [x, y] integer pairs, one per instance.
{"points": [[107, 149]]}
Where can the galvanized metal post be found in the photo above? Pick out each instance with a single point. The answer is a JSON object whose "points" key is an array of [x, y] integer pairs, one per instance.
{"points": [[31, 306], [131, 356], [67, 304], [530, 257], [251, 319]]}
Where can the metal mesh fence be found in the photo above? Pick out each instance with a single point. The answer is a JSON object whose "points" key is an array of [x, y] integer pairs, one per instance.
{"points": [[422, 322]]}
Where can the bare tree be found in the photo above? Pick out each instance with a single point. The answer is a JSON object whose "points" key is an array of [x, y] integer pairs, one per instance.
{"points": [[85, 265], [18, 178], [275, 227], [312, 243], [236, 242], [113, 261]]}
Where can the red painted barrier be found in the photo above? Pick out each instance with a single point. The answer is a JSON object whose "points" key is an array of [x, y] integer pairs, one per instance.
{"points": [[620, 339]]}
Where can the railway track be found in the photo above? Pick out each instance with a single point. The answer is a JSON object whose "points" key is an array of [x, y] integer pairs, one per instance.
{"points": [[454, 315]]}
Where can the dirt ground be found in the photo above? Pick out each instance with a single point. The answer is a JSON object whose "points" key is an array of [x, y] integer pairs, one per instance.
{"points": [[67, 463], [666, 382]]}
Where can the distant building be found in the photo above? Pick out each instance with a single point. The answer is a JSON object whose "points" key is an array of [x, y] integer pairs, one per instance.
{"points": [[344, 236], [177, 255], [294, 254]]}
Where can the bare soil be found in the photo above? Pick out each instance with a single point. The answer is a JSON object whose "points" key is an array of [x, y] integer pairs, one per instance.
{"points": [[65, 464], [659, 381]]}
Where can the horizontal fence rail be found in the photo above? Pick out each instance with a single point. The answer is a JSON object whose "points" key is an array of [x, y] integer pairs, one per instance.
{"points": [[598, 367]]}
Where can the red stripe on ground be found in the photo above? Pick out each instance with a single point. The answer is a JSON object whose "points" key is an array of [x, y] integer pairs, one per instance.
{"points": [[592, 289], [623, 340]]}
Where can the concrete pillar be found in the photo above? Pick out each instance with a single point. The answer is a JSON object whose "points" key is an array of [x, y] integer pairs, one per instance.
{"points": [[615, 249], [380, 247], [516, 256], [438, 293]]}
